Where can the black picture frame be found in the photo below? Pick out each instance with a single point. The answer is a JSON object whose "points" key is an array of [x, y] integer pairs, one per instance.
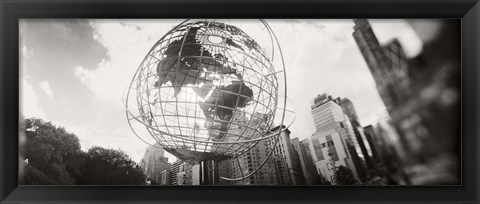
{"points": [[13, 10]]}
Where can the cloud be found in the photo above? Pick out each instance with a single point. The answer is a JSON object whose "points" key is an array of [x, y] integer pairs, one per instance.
{"points": [[126, 47], [127, 42], [46, 88], [106, 83], [29, 101], [26, 51]]}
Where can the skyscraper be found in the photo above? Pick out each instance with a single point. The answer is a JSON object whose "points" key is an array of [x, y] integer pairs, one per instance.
{"points": [[188, 174], [175, 168], [284, 149], [247, 163], [306, 161], [388, 65], [427, 126], [283, 167], [385, 162], [156, 166], [350, 111], [373, 142], [334, 142]]}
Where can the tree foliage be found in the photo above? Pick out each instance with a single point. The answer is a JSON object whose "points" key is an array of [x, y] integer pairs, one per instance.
{"points": [[110, 167], [33, 176], [51, 151], [344, 176], [55, 158]]}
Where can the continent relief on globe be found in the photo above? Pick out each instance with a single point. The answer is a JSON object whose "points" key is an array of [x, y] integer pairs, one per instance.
{"points": [[190, 69]]}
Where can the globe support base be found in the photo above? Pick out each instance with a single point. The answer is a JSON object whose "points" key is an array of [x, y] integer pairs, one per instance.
{"points": [[209, 173]]}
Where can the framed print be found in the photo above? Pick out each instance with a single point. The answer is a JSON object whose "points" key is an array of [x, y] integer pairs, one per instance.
{"points": [[239, 102]]}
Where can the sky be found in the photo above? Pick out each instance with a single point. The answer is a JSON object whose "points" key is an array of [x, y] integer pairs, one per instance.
{"points": [[74, 73]]}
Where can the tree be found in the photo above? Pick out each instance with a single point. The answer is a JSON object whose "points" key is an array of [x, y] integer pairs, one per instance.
{"points": [[344, 176], [55, 158], [33, 176], [110, 167], [53, 154]]}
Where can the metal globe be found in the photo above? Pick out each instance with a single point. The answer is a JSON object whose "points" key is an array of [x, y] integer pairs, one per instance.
{"points": [[205, 91]]}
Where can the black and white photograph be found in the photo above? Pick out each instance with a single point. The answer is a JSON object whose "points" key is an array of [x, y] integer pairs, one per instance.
{"points": [[240, 102]]}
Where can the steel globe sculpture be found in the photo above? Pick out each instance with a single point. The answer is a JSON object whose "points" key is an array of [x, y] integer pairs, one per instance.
{"points": [[207, 91]]}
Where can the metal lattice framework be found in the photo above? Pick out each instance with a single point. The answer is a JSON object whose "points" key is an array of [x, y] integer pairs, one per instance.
{"points": [[207, 91]]}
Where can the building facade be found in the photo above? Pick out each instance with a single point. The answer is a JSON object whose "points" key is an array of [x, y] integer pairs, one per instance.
{"points": [[155, 166], [282, 167], [249, 162], [388, 65], [413, 90], [175, 168], [334, 142], [284, 150], [307, 165], [366, 164]]}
